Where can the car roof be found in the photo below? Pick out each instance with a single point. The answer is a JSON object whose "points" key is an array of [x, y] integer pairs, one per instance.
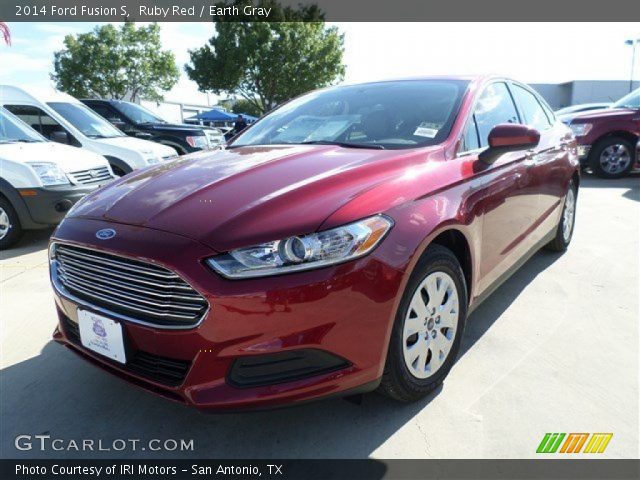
{"points": [[103, 100], [30, 94]]}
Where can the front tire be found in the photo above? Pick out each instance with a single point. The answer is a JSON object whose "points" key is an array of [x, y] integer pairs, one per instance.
{"points": [[10, 227], [612, 157], [564, 232], [428, 327]]}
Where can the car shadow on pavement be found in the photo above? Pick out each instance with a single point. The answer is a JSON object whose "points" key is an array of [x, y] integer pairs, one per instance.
{"points": [[31, 241], [55, 393], [484, 316]]}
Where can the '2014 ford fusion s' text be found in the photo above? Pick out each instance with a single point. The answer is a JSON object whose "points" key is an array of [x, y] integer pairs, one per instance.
{"points": [[334, 247]]}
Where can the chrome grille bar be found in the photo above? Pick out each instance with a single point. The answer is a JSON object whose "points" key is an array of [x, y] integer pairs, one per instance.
{"points": [[111, 281], [140, 291], [131, 278], [100, 258], [95, 175]]}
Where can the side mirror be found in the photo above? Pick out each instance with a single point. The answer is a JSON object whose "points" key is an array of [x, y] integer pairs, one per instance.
{"points": [[509, 137], [117, 123], [59, 136]]}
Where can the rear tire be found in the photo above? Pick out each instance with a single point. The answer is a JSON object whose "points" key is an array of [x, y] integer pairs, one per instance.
{"points": [[10, 228], [612, 157], [434, 305], [564, 232]]}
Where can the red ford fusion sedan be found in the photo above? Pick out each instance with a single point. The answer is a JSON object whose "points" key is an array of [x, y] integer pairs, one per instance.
{"points": [[335, 247]]}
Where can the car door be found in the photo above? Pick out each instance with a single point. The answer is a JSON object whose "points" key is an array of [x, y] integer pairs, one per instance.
{"points": [[546, 168], [509, 203]]}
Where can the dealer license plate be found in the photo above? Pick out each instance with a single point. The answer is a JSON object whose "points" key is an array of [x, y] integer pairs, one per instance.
{"points": [[101, 335]]}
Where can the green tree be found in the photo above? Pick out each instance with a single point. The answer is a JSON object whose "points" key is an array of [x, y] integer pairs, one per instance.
{"points": [[242, 105], [267, 63], [115, 62]]}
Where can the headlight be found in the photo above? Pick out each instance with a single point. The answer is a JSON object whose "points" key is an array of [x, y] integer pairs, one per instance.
{"points": [[50, 173], [580, 129], [306, 252], [199, 141], [152, 160]]}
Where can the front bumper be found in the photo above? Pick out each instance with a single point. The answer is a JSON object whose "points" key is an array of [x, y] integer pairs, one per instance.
{"points": [[48, 206], [337, 317]]}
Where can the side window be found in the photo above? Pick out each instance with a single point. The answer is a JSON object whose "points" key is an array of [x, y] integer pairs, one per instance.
{"points": [[550, 115], [39, 120], [100, 110], [534, 115], [470, 140], [108, 113], [495, 106]]}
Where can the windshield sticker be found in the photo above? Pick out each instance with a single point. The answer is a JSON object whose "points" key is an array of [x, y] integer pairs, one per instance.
{"points": [[426, 131]]}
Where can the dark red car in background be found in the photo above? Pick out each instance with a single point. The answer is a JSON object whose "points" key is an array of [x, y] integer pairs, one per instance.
{"points": [[607, 138], [334, 247]]}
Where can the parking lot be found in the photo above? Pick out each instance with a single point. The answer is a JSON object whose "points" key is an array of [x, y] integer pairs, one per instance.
{"points": [[555, 349]]}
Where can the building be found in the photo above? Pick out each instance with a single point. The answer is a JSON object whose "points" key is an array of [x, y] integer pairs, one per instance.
{"points": [[176, 112], [560, 95]]}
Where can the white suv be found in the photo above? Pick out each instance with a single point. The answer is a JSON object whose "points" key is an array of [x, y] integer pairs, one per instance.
{"points": [[64, 119], [41, 180]]}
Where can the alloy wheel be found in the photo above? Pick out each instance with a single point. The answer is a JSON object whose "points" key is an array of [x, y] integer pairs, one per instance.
{"points": [[430, 325], [615, 158], [5, 224], [568, 215]]}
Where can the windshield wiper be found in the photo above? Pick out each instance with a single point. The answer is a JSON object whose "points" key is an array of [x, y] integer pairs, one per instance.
{"points": [[312, 142], [344, 144], [19, 140], [105, 136]]}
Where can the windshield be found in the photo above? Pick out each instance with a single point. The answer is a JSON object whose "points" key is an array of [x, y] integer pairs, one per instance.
{"points": [[137, 114], [631, 100], [399, 114], [85, 120], [13, 130]]}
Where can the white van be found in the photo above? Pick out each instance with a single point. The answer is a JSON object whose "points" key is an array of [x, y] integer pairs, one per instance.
{"points": [[64, 119], [41, 180]]}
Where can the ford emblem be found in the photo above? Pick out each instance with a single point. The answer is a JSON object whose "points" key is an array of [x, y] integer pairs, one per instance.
{"points": [[105, 233]]}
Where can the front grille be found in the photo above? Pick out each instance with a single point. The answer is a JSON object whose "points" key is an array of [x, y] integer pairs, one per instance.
{"points": [[167, 371], [173, 156], [140, 291], [93, 176]]}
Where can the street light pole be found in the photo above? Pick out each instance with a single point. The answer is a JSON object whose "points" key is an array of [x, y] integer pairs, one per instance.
{"points": [[633, 43]]}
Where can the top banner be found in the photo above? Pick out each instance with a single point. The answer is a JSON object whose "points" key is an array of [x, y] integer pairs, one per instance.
{"points": [[329, 10]]}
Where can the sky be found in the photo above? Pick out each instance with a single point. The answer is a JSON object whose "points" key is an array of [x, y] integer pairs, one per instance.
{"points": [[530, 52]]}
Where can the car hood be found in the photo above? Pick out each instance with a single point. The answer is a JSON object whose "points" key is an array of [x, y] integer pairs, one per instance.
{"points": [[247, 195], [604, 115], [69, 159], [143, 147]]}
